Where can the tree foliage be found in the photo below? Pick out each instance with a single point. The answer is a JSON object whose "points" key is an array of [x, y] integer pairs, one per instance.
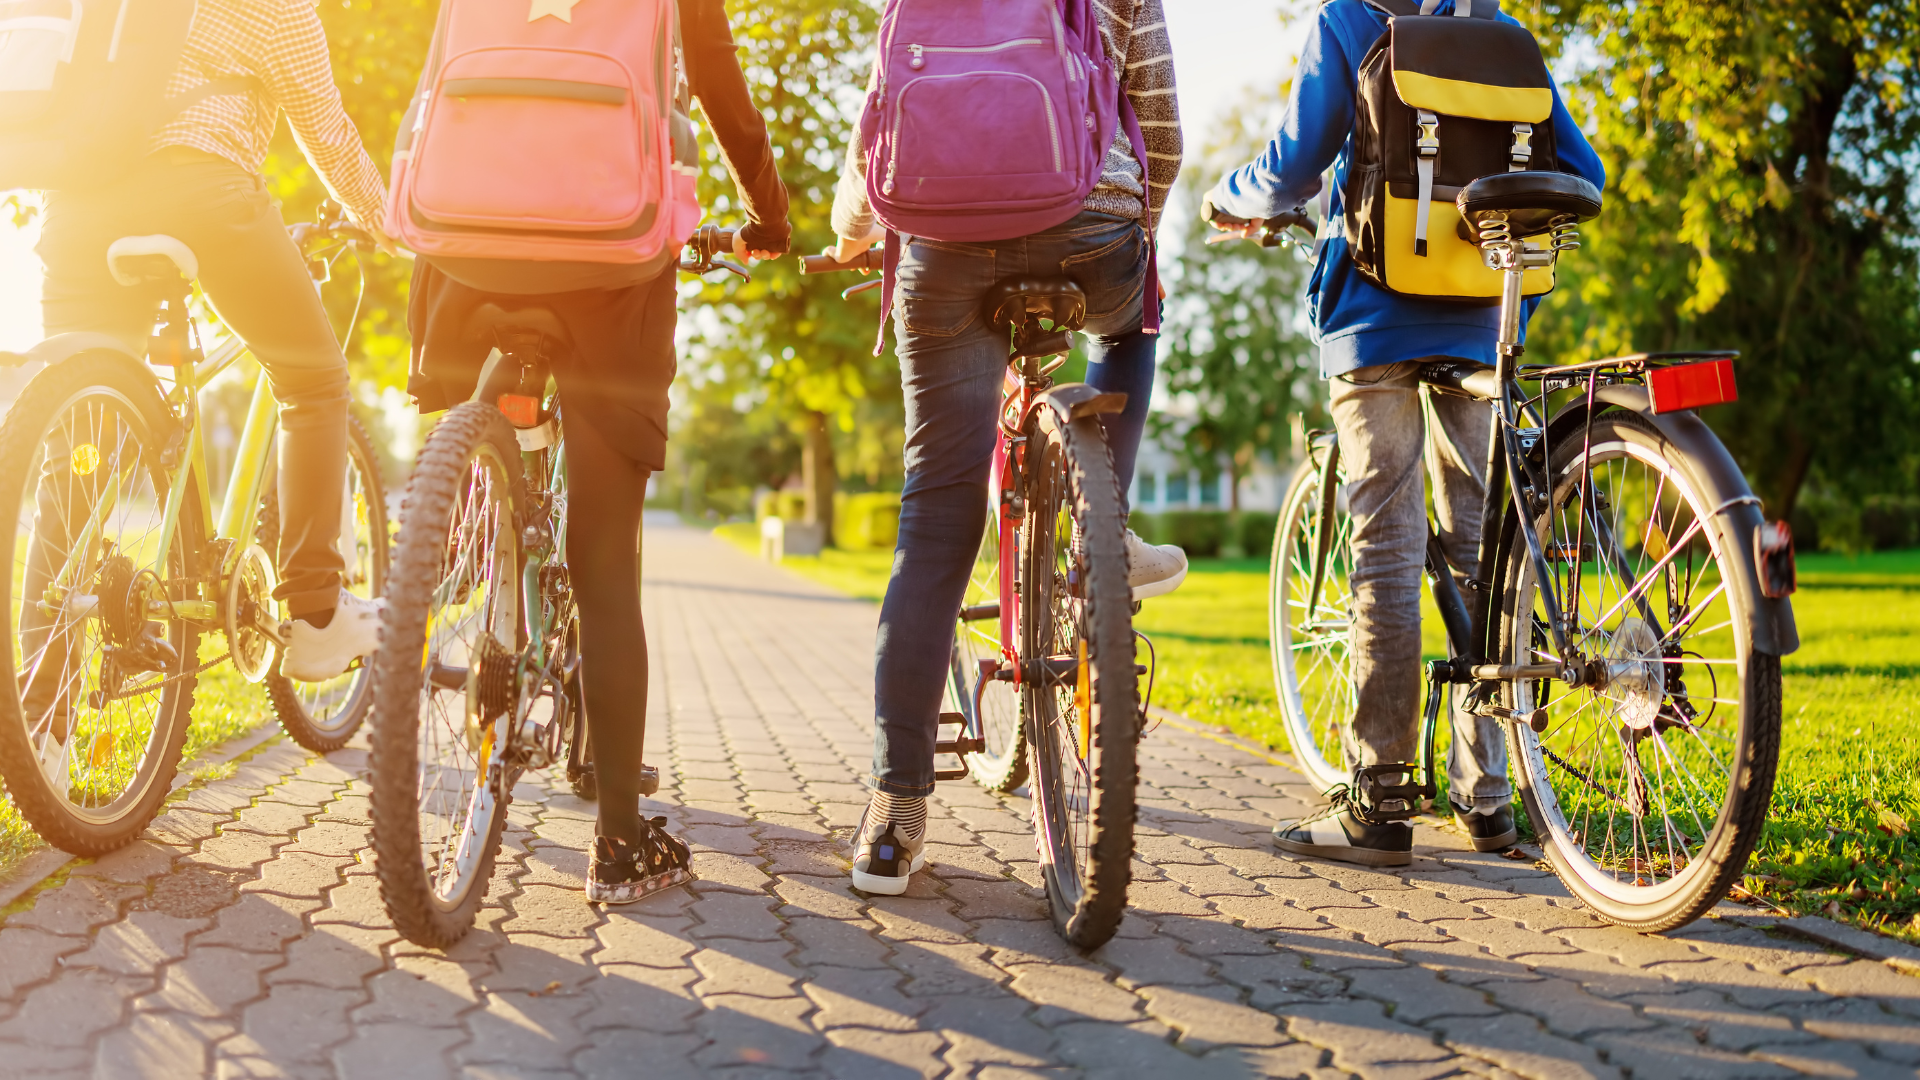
{"points": [[1237, 361], [773, 362], [1760, 158]]}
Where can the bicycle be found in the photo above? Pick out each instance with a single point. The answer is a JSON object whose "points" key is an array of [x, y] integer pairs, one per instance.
{"points": [[1626, 616], [1048, 621], [479, 660], [117, 563]]}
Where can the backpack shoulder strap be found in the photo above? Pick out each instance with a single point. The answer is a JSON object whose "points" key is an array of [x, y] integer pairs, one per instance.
{"points": [[1465, 9]]}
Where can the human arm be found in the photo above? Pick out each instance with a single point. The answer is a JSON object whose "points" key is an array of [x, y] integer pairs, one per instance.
{"points": [[298, 76], [714, 76], [1149, 73]]}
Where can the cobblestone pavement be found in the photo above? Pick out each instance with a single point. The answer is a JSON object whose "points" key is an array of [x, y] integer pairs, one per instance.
{"points": [[246, 936]]}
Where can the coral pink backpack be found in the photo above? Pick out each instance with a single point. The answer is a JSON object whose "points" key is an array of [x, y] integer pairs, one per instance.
{"points": [[547, 148]]}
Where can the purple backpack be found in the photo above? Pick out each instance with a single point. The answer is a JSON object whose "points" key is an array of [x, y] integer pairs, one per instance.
{"points": [[990, 119]]}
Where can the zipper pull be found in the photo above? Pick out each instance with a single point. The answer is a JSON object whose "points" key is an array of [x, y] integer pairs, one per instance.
{"points": [[919, 57]]}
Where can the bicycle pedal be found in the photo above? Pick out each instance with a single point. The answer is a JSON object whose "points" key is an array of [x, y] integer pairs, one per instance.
{"points": [[965, 744], [649, 779]]}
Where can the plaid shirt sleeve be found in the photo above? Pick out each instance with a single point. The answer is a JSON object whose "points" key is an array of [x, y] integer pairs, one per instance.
{"points": [[298, 76]]}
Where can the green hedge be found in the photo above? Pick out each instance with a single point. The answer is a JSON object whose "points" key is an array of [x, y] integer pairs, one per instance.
{"points": [[1206, 534], [1876, 523], [861, 521]]}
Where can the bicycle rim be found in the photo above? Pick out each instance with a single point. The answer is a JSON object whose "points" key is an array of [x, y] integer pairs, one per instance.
{"points": [[100, 694], [1310, 633], [1083, 715], [976, 639], [1649, 788]]}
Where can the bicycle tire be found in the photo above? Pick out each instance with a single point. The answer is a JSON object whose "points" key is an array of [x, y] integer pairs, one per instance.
{"points": [[1083, 806], [125, 393], [1317, 702], [1733, 768], [303, 708], [427, 557], [1002, 766]]}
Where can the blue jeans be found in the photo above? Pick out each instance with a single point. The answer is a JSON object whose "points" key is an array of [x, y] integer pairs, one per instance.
{"points": [[951, 366]]}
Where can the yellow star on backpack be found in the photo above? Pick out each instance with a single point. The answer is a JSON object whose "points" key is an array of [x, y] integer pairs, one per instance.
{"points": [[559, 9]]}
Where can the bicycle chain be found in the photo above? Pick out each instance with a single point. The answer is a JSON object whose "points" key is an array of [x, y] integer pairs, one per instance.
{"points": [[1585, 779], [148, 688]]}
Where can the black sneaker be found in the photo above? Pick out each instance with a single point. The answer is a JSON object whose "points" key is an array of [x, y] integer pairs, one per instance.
{"points": [[623, 873], [1347, 832], [1488, 832]]}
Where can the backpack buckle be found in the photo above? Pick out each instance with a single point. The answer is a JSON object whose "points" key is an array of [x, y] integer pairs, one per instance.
{"points": [[1429, 142], [1520, 154]]}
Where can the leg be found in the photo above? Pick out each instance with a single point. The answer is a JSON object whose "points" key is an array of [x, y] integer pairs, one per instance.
{"points": [[256, 279], [951, 367], [604, 501], [1457, 433], [1378, 415], [1107, 257]]}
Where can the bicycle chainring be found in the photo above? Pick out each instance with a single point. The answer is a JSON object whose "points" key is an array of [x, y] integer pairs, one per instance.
{"points": [[248, 605]]}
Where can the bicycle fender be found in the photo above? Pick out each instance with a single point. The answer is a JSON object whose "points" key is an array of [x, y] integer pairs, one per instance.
{"points": [[1774, 629], [1071, 401], [65, 346]]}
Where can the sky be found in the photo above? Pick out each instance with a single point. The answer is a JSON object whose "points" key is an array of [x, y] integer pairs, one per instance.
{"points": [[1220, 47]]}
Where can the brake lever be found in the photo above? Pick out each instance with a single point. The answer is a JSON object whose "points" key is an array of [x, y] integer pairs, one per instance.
{"points": [[860, 288], [733, 268]]}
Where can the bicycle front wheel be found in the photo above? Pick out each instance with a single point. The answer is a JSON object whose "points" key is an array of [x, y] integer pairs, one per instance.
{"points": [[322, 716], [93, 722], [1080, 692], [1310, 618], [1649, 785], [446, 682], [1002, 766]]}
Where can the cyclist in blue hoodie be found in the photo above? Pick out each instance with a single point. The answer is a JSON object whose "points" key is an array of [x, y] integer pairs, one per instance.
{"points": [[1372, 343]]}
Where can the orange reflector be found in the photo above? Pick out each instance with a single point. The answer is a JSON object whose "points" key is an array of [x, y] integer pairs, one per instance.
{"points": [[521, 411], [103, 745], [1692, 386]]}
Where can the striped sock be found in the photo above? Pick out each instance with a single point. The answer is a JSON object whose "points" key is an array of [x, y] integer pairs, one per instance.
{"points": [[906, 813]]}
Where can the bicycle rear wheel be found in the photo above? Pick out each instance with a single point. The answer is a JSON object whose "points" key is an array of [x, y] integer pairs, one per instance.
{"points": [[94, 720], [322, 716], [1649, 784], [1081, 693], [1002, 766], [1310, 627], [445, 678]]}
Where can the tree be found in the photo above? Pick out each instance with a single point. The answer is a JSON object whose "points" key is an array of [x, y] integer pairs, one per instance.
{"points": [[1237, 361], [782, 360], [1760, 160]]}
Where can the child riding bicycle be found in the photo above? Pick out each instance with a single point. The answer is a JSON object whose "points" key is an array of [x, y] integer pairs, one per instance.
{"points": [[1372, 343], [952, 364], [614, 361], [201, 185]]}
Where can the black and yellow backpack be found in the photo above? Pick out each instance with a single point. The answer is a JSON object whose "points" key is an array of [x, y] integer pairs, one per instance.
{"points": [[1443, 100]]}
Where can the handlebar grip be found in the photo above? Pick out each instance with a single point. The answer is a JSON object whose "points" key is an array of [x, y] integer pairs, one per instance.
{"points": [[1295, 218], [870, 259]]}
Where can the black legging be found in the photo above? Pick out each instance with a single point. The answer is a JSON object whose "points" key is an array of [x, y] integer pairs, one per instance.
{"points": [[605, 494]]}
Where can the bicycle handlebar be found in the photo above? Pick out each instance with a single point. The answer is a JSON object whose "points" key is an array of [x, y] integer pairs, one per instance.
{"points": [[706, 249], [871, 259], [1273, 231]]}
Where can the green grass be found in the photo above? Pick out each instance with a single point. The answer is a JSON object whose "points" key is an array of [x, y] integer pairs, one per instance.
{"points": [[224, 706], [1838, 839]]}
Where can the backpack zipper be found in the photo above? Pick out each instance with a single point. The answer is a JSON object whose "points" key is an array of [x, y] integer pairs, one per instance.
{"points": [[1059, 33], [919, 51], [900, 112]]}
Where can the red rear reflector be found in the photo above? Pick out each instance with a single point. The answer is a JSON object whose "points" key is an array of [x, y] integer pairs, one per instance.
{"points": [[1691, 386], [521, 411]]}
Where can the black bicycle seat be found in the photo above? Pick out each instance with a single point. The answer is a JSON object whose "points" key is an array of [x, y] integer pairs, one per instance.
{"points": [[494, 324], [1532, 201], [1014, 301]]}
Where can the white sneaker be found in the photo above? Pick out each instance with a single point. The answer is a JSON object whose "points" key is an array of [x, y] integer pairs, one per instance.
{"points": [[1154, 569], [316, 655]]}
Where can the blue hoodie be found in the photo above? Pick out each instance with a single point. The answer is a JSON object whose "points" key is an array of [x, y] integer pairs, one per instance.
{"points": [[1356, 323]]}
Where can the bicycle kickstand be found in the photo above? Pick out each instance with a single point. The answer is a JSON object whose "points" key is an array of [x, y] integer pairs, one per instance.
{"points": [[1439, 675]]}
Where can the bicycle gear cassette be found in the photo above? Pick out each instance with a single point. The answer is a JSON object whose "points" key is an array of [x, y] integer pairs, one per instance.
{"points": [[249, 612]]}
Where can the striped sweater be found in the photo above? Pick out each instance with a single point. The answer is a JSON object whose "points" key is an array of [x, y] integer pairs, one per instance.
{"points": [[1135, 31]]}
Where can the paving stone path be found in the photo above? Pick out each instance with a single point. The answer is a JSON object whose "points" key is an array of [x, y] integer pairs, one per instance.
{"points": [[246, 937]]}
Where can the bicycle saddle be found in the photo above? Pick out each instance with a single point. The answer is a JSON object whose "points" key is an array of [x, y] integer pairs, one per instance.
{"points": [[1532, 201], [492, 323], [139, 260], [1014, 301]]}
